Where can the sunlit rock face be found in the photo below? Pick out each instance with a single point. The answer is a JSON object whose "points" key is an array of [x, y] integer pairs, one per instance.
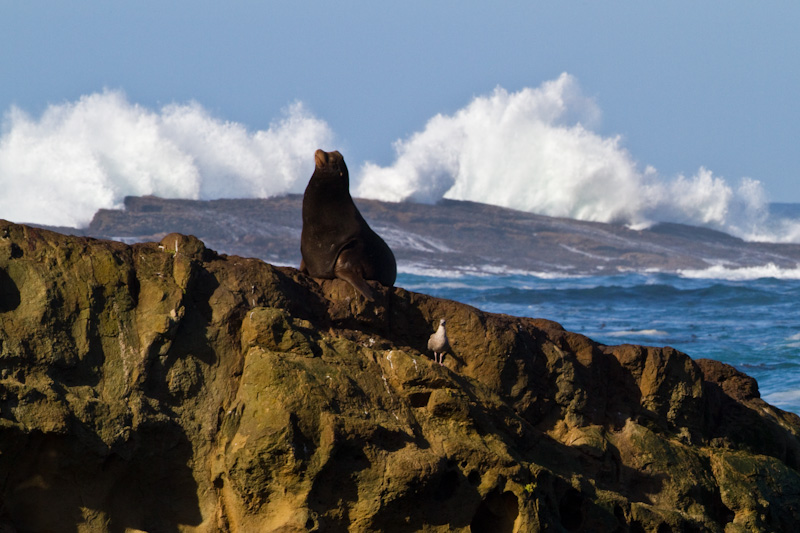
{"points": [[164, 387]]}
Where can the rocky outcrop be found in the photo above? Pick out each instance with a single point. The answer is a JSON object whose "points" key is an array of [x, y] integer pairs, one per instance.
{"points": [[164, 387], [452, 235]]}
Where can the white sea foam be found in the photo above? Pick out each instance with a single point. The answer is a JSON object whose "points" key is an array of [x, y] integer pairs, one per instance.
{"points": [[418, 269], [406, 240], [539, 142], [78, 157], [477, 271], [501, 270], [587, 254], [783, 399], [548, 162], [637, 333], [743, 273]]}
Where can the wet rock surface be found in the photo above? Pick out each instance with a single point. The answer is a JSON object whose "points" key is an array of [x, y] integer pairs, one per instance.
{"points": [[164, 387]]}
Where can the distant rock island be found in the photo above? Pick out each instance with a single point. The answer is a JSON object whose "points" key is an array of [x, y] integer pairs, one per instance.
{"points": [[161, 386], [449, 236]]}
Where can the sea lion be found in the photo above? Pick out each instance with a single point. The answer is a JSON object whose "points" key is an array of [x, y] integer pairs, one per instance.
{"points": [[336, 241]]}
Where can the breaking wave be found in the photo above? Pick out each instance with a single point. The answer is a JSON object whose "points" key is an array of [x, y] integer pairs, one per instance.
{"points": [[533, 150], [637, 333], [721, 272], [79, 157]]}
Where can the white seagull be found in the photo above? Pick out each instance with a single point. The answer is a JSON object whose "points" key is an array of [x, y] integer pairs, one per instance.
{"points": [[438, 343]]}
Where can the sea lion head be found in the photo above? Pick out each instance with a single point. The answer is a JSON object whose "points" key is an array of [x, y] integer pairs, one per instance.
{"points": [[331, 163]]}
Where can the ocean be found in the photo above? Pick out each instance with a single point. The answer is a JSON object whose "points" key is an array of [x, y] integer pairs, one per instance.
{"points": [[744, 317]]}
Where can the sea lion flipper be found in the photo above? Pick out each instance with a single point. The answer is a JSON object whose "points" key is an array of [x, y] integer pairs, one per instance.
{"points": [[347, 268], [358, 283]]}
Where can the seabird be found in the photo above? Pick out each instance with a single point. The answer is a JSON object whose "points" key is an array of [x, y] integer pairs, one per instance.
{"points": [[438, 343]]}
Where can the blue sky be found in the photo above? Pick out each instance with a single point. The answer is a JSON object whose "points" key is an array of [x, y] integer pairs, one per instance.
{"points": [[685, 84]]}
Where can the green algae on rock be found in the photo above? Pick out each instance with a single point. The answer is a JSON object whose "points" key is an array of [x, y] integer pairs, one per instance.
{"points": [[164, 387]]}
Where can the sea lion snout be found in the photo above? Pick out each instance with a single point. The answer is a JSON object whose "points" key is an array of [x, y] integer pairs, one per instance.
{"points": [[326, 160], [321, 158]]}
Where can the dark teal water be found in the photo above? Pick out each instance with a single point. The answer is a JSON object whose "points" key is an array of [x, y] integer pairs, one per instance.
{"points": [[747, 318]]}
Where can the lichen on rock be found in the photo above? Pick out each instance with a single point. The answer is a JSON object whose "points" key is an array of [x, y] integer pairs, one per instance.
{"points": [[164, 387]]}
